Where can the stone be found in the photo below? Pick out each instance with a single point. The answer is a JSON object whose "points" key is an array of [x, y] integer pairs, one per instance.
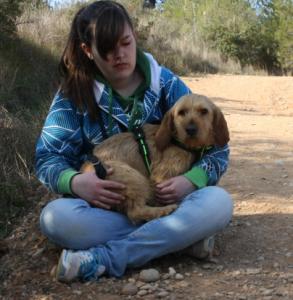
{"points": [[172, 271], [162, 294], [149, 275], [179, 276], [129, 289], [142, 293]]}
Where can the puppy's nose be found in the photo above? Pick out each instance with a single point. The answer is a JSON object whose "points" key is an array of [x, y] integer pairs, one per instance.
{"points": [[191, 129]]}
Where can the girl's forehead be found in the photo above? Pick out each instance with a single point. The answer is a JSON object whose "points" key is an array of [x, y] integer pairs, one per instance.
{"points": [[127, 31]]}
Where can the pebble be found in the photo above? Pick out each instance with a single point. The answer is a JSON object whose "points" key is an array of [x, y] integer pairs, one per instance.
{"points": [[162, 294], [146, 287], [172, 271], [260, 258], [267, 292], [129, 289], [208, 266], [179, 276], [139, 284], [142, 293], [252, 271], [149, 275], [279, 162], [166, 276], [183, 284], [236, 273]]}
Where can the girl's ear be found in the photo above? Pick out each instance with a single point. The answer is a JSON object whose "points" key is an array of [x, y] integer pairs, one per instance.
{"points": [[164, 133], [87, 50], [220, 128]]}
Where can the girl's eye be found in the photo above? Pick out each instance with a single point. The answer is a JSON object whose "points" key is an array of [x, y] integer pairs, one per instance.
{"points": [[126, 43]]}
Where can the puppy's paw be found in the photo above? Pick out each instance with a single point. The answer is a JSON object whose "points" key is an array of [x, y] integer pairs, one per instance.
{"points": [[169, 208]]}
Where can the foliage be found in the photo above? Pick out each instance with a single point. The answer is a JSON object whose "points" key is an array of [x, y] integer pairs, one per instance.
{"points": [[284, 33], [9, 11], [257, 33]]}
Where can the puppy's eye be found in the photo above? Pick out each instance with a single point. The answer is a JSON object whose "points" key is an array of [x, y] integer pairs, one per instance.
{"points": [[182, 112], [204, 111]]}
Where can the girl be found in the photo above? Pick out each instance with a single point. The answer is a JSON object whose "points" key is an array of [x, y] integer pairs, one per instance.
{"points": [[108, 86]]}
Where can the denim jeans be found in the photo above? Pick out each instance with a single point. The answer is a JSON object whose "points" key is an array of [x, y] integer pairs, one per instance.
{"points": [[119, 244]]}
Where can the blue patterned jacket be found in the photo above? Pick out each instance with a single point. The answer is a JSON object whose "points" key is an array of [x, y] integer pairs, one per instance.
{"points": [[69, 135]]}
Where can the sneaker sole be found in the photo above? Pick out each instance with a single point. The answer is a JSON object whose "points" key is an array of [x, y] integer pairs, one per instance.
{"points": [[60, 272]]}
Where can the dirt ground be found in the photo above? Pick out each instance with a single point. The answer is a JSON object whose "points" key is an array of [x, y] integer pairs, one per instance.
{"points": [[254, 255]]}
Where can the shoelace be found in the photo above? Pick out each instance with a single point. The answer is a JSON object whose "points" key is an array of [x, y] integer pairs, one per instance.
{"points": [[88, 266]]}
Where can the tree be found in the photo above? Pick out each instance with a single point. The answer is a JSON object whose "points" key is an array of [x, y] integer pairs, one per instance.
{"points": [[9, 11]]}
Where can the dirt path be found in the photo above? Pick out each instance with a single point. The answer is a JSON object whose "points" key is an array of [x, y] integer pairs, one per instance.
{"points": [[255, 253]]}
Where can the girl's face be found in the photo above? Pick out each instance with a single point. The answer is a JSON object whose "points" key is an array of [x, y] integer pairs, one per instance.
{"points": [[120, 63]]}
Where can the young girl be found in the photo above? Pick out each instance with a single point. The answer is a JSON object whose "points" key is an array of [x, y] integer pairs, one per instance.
{"points": [[108, 86]]}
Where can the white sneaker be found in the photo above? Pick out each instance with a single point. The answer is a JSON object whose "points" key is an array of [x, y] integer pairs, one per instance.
{"points": [[202, 249], [78, 265]]}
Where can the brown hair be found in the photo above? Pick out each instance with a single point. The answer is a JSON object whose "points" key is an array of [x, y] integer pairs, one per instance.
{"points": [[99, 24]]}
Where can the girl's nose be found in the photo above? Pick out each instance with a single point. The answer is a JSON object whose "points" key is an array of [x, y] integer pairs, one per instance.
{"points": [[118, 53]]}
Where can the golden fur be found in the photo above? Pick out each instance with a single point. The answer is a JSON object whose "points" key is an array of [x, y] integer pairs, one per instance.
{"points": [[193, 121]]}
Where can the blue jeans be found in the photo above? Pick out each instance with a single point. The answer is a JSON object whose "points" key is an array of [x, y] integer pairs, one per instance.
{"points": [[119, 244]]}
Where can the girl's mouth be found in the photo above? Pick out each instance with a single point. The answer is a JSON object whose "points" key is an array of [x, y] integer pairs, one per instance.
{"points": [[121, 66]]}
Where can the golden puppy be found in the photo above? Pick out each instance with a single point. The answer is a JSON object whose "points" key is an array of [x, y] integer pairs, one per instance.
{"points": [[193, 123]]}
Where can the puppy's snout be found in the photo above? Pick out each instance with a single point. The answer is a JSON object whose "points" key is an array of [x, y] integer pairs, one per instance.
{"points": [[191, 130]]}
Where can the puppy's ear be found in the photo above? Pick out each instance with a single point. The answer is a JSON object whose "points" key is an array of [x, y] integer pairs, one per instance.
{"points": [[164, 133], [221, 132]]}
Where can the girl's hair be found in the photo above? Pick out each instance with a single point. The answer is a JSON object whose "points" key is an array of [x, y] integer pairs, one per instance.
{"points": [[99, 24]]}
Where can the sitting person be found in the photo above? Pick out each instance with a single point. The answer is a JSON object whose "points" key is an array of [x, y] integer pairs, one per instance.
{"points": [[107, 86]]}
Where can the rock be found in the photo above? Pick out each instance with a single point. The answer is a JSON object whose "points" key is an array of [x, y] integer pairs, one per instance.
{"points": [[172, 271], [253, 271], [166, 276], [162, 294], [132, 280], [279, 162], [208, 266], [142, 293], [53, 271], [146, 287], [149, 275], [139, 284], [183, 284], [179, 276], [236, 273], [267, 292], [129, 289]]}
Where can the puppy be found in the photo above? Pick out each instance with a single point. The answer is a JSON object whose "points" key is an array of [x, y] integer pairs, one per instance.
{"points": [[193, 123]]}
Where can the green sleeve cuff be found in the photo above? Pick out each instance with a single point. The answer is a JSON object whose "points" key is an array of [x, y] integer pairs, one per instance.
{"points": [[197, 176], [64, 181]]}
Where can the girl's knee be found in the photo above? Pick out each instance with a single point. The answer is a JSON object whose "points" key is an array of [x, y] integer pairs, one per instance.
{"points": [[213, 201], [58, 214]]}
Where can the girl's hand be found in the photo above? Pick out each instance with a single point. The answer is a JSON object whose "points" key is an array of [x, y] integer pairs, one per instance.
{"points": [[173, 190], [99, 193]]}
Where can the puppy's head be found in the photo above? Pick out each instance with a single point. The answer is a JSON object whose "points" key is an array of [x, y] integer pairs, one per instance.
{"points": [[194, 121]]}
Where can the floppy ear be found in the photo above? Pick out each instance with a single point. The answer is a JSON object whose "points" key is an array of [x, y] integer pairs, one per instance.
{"points": [[221, 132], [164, 133]]}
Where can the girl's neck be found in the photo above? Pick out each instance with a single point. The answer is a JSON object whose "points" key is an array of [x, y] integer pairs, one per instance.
{"points": [[127, 87]]}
